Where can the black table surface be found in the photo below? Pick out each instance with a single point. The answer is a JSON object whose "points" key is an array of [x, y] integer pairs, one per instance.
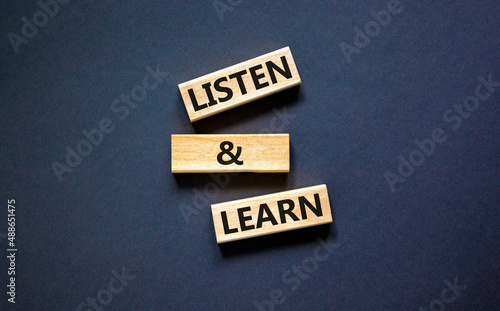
{"points": [[398, 114]]}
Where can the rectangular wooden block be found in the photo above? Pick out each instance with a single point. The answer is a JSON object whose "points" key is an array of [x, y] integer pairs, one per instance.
{"points": [[273, 213], [256, 153], [239, 84]]}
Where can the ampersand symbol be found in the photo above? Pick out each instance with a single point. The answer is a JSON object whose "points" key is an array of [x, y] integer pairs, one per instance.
{"points": [[226, 147]]}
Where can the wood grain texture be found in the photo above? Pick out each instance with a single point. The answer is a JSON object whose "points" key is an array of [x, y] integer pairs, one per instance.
{"points": [[203, 106], [228, 216], [260, 153]]}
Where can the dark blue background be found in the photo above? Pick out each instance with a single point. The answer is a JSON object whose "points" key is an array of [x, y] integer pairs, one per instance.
{"points": [[122, 206]]}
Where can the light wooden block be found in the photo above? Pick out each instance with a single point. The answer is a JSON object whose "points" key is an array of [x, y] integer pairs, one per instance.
{"points": [[260, 153], [267, 214], [239, 84]]}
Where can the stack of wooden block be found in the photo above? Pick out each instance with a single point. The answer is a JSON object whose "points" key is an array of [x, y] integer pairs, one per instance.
{"points": [[250, 153]]}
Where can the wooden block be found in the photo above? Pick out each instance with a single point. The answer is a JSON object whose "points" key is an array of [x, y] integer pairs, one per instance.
{"points": [[239, 84], [257, 153], [273, 213]]}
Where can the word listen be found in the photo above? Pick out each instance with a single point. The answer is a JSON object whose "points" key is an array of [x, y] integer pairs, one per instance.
{"points": [[273, 213], [255, 153], [239, 84]]}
